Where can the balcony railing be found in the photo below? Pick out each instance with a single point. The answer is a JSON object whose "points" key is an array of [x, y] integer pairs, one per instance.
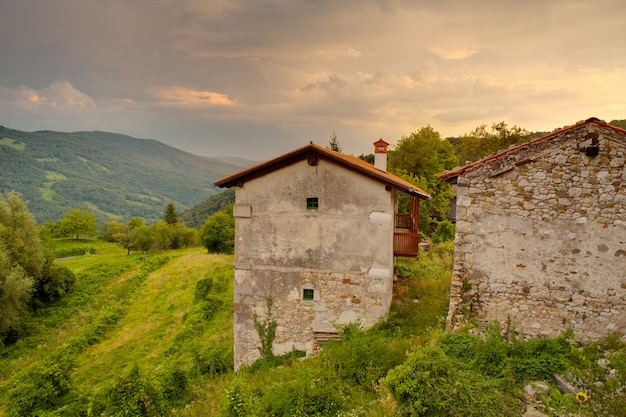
{"points": [[405, 244]]}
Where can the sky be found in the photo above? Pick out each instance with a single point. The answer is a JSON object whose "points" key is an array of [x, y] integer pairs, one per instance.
{"points": [[258, 78]]}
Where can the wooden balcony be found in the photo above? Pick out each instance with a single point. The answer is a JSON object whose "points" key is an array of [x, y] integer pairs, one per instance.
{"points": [[406, 238], [405, 244]]}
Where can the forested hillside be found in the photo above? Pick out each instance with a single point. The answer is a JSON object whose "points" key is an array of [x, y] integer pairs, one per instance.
{"points": [[112, 175]]}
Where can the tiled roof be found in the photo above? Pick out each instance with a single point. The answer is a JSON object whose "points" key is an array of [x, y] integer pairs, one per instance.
{"points": [[347, 161], [455, 172]]}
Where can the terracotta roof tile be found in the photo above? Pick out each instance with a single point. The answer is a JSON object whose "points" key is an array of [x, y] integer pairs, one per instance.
{"points": [[455, 172]]}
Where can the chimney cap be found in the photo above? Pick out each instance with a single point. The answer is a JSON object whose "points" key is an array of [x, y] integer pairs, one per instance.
{"points": [[380, 146]]}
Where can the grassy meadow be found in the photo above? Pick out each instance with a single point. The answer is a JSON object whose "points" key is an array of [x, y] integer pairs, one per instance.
{"points": [[151, 335]]}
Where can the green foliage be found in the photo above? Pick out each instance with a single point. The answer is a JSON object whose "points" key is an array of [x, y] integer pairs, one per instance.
{"points": [[333, 143], [266, 329], [304, 396], [170, 216], [78, 222], [55, 282], [197, 215], [419, 158], [43, 387], [601, 370], [74, 251], [363, 358], [237, 401], [20, 236], [444, 232], [293, 391], [481, 142], [497, 357], [422, 290], [116, 176], [619, 123], [15, 292], [28, 274], [429, 383], [218, 232]]}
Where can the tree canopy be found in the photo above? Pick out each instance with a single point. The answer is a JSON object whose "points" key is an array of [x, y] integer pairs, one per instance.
{"points": [[28, 274], [419, 158], [170, 216], [482, 142], [333, 143], [218, 232], [78, 222]]}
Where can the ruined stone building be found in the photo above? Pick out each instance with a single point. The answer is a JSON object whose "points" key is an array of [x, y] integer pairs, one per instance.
{"points": [[541, 235], [317, 231]]}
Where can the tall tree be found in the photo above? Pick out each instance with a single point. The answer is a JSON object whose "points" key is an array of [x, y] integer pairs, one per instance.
{"points": [[482, 142], [333, 143], [218, 232], [419, 158], [170, 216], [27, 269], [79, 222]]}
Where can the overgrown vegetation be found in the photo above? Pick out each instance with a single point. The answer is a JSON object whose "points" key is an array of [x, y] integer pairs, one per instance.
{"points": [[152, 335]]}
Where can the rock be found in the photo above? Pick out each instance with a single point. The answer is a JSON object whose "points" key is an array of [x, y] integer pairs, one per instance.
{"points": [[564, 386], [531, 412], [536, 387]]}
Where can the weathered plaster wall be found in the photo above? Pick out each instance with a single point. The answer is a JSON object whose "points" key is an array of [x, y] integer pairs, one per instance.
{"points": [[541, 238], [343, 251]]}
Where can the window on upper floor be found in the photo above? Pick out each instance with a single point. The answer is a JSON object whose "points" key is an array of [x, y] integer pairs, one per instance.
{"points": [[312, 203]]}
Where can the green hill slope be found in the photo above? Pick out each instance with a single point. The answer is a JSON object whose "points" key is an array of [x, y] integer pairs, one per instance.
{"points": [[149, 336], [115, 176], [163, 321]]}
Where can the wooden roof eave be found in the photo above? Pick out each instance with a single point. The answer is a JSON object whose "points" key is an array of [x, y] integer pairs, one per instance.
{"points": [[264, 168]]}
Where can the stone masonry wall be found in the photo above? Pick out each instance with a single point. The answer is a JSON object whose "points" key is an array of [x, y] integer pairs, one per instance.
{"points": [[541, 238]]}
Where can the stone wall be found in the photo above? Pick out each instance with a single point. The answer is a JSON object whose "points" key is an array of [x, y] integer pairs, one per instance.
{"points": [[541, 237]]}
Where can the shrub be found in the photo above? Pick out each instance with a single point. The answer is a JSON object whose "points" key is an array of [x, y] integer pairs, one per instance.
{"points": [[303, 396], [237, 401], [42, 387], [444, 232], [76, 251], [363, 358], [429, 383], [130, 396], [214, 361], [56, 281]]}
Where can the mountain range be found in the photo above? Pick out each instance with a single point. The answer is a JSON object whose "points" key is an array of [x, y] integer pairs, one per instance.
{"points": [[111, 175]]}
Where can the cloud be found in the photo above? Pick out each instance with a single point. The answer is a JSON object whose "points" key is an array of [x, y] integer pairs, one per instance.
{"points": [[58, 97], [453, 54], [186, 96]]}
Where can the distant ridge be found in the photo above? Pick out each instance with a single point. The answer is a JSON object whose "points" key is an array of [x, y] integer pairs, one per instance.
{"points": [[112, 175]]}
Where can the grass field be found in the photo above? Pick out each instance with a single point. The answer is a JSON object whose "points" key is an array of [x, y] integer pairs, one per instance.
{"points": [[152, 335]]}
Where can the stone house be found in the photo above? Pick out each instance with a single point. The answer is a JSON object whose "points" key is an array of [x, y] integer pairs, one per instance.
{"points": [[317, 231], [541, 235]]}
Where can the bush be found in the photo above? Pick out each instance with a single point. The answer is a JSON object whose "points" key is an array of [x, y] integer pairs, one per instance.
{"points": [[130, 396], [363, 358], [429, 383], [444, 232], [496, 357], [214, 361], [77, 251], [55, 282], [303, 396], [42, 387]]}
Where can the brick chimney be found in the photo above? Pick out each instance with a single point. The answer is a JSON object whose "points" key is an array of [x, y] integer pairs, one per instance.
{"points": [[380, 154]]}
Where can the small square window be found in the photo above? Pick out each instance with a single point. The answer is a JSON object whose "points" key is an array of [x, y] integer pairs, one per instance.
{"points": [[312, 203], [308, 294]]}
